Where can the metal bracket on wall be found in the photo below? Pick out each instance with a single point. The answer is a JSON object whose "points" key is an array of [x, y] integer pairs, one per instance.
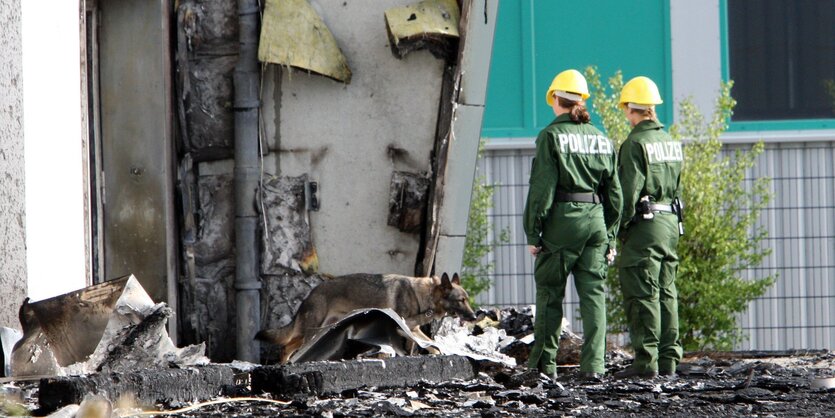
{"points": [[311, 200]]}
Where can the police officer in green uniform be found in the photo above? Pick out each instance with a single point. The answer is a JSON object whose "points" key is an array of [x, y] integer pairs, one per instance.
{"points": [[650, 173], [571, 218]]}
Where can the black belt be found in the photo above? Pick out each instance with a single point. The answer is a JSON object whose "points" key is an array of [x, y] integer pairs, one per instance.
{"points": [[578, 197]]}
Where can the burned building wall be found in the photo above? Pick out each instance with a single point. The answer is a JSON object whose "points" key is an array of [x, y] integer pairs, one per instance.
{"points": [[209, 300], [351, 138], [347, 138], [349, 142], [12, 207], [207, 50], [205, 55]]}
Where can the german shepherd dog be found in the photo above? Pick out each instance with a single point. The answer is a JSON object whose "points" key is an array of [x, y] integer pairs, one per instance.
{"points": [[417, 299]]}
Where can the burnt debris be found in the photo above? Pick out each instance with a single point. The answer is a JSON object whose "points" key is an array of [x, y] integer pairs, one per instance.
{"points": [[778, 387], [722, 384]]}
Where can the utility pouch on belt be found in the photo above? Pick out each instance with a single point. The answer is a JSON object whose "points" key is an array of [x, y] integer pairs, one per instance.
{"points": [[645, 209]]}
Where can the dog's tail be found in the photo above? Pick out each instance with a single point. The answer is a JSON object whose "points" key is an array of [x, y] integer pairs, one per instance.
{"points": [[277, 336]]}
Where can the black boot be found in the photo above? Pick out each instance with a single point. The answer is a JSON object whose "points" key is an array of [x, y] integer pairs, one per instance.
{"points": [[590, 377], [631, 372], [667, 374]]}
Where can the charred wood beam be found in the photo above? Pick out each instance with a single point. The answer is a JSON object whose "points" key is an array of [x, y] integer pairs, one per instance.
{"points": [[148, 386], [322, 377], [459, 125], [432, 229]]}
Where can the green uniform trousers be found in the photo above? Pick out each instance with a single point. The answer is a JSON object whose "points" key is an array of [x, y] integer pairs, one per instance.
{"points": [[580, 247], [648, 267]]}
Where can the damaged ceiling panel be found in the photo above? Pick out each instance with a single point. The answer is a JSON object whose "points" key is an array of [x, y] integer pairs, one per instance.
{"points": [[430, 24], [293, 34]]}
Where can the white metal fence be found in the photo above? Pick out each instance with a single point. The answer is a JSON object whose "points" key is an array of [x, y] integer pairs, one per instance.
{"points": [[797, 312]]}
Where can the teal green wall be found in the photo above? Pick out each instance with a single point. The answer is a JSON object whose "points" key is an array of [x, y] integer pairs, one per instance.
{"points": [[536, 39]]}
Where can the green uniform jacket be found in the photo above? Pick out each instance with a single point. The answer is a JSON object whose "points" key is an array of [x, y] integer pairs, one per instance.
{"points": [[574, 158], [650, 165]]}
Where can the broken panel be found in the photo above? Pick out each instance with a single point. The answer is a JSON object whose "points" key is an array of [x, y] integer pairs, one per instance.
{"points": [[281, 297], [288, 246], [430, 24], [407, 200], [60, 336], [284, 295], [293, 34], [114, 326]]}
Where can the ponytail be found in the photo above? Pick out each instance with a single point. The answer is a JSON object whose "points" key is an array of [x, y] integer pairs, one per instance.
{"points": [[578, 112]]}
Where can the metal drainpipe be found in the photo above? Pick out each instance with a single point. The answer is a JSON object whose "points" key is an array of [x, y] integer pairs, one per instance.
{"points": [[247, 81]]}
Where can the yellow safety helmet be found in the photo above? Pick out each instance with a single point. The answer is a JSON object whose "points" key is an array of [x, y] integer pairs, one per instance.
{"points": [[639, 93], [569, 84]]}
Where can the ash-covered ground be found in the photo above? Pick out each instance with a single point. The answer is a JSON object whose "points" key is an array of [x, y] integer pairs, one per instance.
{"points": [[761, 384], [765, 387]]}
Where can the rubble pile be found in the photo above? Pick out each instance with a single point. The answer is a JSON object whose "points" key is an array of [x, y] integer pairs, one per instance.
{"points": [[796, 383], [705, 387], [514, 329]]}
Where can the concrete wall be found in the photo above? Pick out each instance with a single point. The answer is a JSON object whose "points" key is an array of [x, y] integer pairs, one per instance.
{"points": [[350, 138], [13, 241]]}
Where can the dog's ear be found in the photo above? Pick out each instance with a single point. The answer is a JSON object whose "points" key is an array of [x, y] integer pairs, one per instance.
{"points": [[26, 315], [445, 283], [456, 279]]}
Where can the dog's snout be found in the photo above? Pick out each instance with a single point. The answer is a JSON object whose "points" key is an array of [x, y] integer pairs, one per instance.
{"points": [[468, 315]]}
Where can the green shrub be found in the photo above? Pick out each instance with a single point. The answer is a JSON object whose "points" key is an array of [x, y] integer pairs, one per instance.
{"points": [[475, 272], [722, 238]]}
